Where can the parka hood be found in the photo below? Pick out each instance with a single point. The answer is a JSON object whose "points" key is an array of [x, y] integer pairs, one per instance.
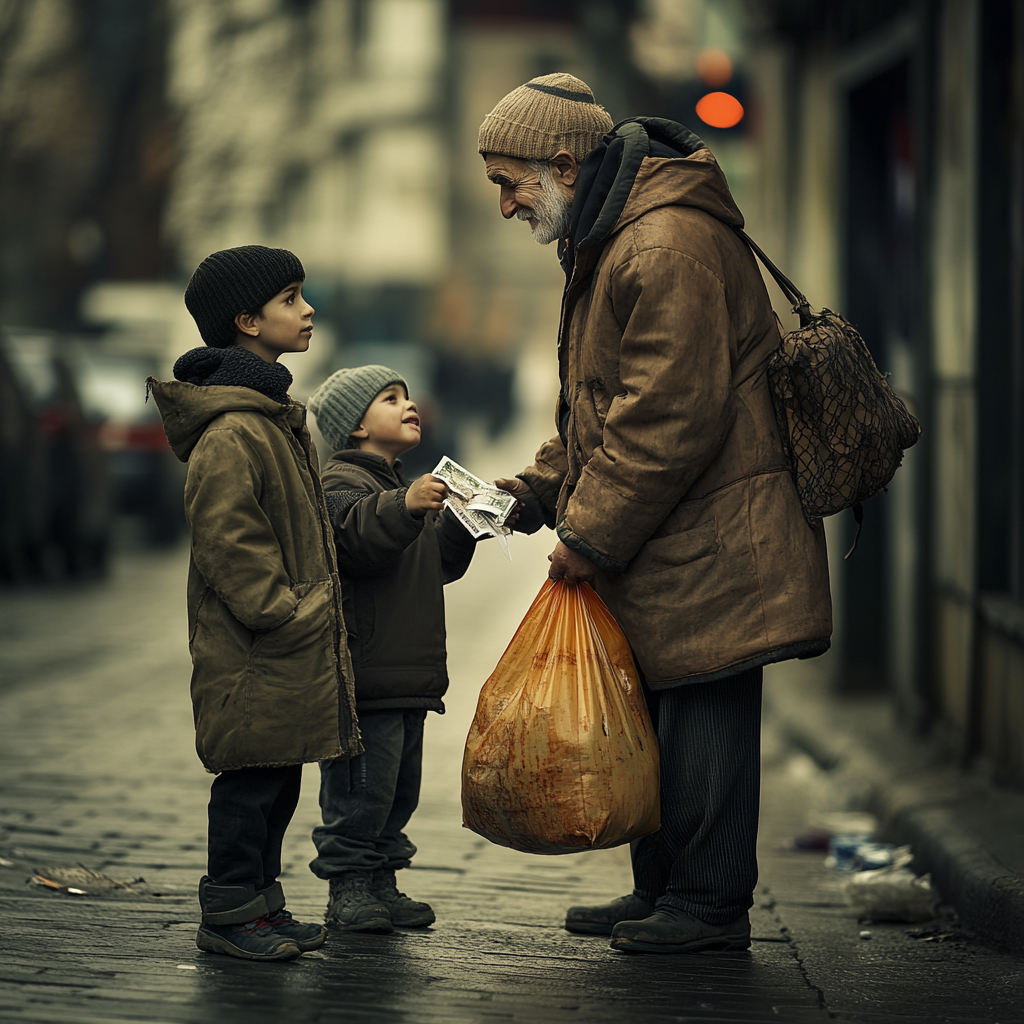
{"points": [[188, 409], [642, 164]]}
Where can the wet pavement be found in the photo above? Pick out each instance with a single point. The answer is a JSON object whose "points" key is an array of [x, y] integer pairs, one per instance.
{"points": [[97, 768]]}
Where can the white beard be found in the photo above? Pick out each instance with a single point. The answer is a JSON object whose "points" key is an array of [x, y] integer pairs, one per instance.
{"points": [[549, 218]]}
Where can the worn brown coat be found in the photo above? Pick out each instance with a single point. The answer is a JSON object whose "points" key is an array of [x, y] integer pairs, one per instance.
{"points": [[272, 681], [672, 477]]}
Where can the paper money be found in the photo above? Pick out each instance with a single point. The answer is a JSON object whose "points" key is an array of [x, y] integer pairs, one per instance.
{"points": [[479, 506], [477, 525], [497, 504], [460, 480]]}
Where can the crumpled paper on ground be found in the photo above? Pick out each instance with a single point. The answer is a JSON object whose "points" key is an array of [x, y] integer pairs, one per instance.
{"points": [[892, 893]]}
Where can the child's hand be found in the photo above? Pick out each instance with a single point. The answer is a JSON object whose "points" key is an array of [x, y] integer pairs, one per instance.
{"points": [[425, 494]]}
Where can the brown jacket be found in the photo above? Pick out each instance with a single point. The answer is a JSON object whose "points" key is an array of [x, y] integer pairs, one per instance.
{"points": [[669, 472], [272, 682]]}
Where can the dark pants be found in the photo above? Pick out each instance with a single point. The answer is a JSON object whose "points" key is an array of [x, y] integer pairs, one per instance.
{"points": [[703, 859], [249, 812], [367, 801]]}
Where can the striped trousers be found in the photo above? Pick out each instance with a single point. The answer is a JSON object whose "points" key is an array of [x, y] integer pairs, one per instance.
{"points": [[703, 859]]}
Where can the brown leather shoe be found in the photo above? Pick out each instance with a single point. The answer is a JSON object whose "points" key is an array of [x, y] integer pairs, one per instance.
{"points": [[668, 930], [600, 920]]}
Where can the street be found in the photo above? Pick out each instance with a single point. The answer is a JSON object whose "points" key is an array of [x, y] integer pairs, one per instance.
{"points": [[98, 769]]}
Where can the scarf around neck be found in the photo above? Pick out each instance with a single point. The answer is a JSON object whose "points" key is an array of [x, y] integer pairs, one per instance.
{"points": [[234, 366]]}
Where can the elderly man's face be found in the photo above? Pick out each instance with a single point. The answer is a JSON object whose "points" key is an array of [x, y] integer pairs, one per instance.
{"points": [[537, 192]]}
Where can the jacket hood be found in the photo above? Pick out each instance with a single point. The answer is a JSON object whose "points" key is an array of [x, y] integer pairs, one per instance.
{"points": [[642, 164], [188, 409]]}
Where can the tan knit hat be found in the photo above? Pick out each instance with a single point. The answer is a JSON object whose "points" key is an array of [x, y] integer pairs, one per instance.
{"points": [[543, 116]]}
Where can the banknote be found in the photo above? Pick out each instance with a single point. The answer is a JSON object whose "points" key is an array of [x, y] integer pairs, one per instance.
{"points": [[480, 507], [476, 524], [459, 479], [496, 503]]}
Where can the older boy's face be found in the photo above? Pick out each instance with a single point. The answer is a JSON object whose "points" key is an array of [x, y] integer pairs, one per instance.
{"points": [[285, 326], [391, 425]]}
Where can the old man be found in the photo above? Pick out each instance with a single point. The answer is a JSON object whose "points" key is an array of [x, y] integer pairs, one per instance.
{"points": [[666, 482]]}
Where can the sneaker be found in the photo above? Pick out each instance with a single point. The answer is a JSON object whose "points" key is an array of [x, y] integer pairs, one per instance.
{"points": [[354, 907], [253, 941], [405, 913], [600, 920], [668, 930], [306, 936]]}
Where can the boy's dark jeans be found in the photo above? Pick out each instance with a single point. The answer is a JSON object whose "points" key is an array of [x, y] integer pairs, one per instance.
{"points": [[250, 809], [367, 801], [703, 860]]}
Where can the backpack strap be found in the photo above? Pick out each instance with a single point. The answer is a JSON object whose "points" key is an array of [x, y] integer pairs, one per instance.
{"points": [[790, 290], [858, 518]]}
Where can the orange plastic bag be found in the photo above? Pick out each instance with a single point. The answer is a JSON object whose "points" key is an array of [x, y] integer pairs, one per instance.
{"points": [[561, 756]]}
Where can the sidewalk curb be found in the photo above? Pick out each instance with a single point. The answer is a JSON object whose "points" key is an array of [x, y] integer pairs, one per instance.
{"points": [[969, 835]]}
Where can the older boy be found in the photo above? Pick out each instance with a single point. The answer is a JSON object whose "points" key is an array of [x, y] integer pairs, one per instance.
{"points": [[396, 550], [271, 681]]}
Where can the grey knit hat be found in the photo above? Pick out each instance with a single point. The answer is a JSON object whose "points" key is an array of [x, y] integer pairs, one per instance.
{"points": [[235, 281], [341, 401], [545, 115]]}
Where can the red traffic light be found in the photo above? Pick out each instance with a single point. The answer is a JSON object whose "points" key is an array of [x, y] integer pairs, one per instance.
{"points": [[720, 110]]}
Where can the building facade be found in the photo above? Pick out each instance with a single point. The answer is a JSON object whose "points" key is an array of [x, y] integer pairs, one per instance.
{"points": [[890, 151]]}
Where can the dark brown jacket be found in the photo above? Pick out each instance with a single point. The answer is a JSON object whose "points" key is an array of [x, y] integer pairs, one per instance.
{"points": [[393, 569], [669, 472], [272, 683]]}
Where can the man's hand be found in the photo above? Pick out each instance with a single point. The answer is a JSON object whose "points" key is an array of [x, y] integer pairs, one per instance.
{"points": [[425, 494], [571, 566], [517, 489], [514, 486]]}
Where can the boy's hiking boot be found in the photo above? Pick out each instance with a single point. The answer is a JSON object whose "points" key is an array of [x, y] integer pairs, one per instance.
{"points": [[668, 930], [405, 913], [355, 907], [306, 936], [255, 940], [600, 920]]}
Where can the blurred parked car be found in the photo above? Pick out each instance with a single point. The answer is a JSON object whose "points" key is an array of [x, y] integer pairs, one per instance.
{"points": [[58, 500], [22, 469], [147, 479]]}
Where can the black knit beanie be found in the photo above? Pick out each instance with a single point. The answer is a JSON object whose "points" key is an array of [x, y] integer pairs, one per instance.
{"points": [[235, 281]]}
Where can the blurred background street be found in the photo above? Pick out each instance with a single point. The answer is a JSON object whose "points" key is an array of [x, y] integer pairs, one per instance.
{"points": [[877, 152]]}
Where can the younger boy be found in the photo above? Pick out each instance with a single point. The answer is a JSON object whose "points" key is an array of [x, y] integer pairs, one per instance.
{"points": [[271, 680], [396, 550]]}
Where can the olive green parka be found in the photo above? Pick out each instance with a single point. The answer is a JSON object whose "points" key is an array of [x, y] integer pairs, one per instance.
{"points": [[272, 681]]}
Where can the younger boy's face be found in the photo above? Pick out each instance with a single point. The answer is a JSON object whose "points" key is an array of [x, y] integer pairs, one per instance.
{"points": [[391, 425], [286, 325]]}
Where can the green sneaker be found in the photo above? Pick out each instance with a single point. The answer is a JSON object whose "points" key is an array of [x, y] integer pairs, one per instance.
{"points": [[306, 936], [253, 941]]}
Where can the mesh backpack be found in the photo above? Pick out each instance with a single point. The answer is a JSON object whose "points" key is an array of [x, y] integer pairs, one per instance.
{"points": [[844, 429]]}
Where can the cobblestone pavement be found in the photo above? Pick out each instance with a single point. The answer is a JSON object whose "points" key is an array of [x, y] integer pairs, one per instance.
{"points": [[97, 768]]}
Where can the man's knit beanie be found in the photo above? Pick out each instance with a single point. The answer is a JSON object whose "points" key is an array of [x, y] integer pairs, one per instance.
{"points": [[235, 281], [545, 115], [340, 403]]}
